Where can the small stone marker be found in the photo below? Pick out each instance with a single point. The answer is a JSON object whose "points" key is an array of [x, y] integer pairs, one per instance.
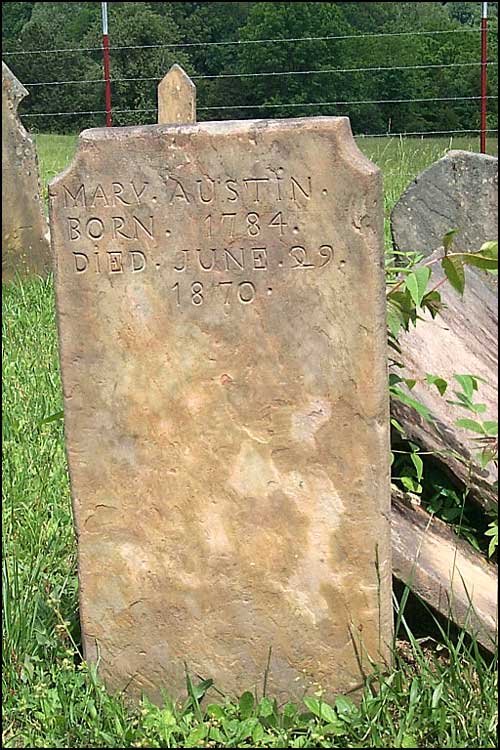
{"points": [[221, 305], [460, 191], [176, 98], [25, 240]]}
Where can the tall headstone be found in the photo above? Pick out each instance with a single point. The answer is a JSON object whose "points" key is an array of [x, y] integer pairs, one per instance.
{"points": [[25, 240], [221, 308], [176, 98]]}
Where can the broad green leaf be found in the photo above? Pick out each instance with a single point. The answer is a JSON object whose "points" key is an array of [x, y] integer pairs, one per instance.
{"points": [[468, 383], [258, 733], [345, 707], [418, 464], [197, 735], [470, 424], [246, 728], [395, 319], [397, 426], [480, 261], [420, 408], [265, 707], [246, 705], [410, 383], [290, 710], [455, 273], [416, 283], [491, 428], [440, 383], [215, 710], [492, 546], [432, 302], [321, 710], [448, 239], [411, 485], [492, 531], [479, 408], [490, 249], [394, 378]]}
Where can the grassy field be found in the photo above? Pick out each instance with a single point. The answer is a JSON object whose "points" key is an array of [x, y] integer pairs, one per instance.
{"points": [[438, 694]]}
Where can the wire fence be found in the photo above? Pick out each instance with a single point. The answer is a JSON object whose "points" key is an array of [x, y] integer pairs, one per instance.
{"points": [[400, 114]]}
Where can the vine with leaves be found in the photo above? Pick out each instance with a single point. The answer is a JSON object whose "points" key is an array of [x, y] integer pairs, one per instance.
{"points": [[411, 295]]}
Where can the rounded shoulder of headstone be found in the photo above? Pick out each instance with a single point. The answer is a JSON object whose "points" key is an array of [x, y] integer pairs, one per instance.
{"points": [[83, 146], [345, 142]]}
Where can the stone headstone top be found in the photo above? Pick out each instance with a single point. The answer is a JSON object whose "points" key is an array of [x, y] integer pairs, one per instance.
{"points": [[221, 304], [460, 191], [176, 98], [25, 240]]}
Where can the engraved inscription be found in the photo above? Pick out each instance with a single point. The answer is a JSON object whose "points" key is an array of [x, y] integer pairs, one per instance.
{"points": [[99, 195], [230, 225], [243, 235], [117, 227], [253, 189], [197, 293], [116, 261]]}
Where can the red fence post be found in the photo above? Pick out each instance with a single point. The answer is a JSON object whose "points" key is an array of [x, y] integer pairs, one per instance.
{"points": [[105, 54], [484, 75]]}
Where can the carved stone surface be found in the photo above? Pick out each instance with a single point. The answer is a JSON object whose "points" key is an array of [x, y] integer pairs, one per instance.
{"points": [[460, 191], [226, 403], [25, 240]]}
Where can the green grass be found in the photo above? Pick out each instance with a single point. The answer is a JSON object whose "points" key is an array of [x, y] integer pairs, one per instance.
{"points": [[435, 696]]}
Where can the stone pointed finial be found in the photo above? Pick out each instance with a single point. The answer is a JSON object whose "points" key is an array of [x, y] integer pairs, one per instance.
{"points": [[176, 98]]}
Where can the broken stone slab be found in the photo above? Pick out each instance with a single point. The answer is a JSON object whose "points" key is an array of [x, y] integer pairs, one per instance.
{"points": [[25, 234], [462, 340], [226, 403], [459, 191], [444, 570]]}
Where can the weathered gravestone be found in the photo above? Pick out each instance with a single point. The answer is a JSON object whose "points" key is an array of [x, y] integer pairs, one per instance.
{"points": [[221, 307], [460, 191], [25, 241]]}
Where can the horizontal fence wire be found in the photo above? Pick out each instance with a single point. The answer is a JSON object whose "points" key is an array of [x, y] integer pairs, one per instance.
{"points": [[276, 40], [422, 133], [272, 106], [275, 73]]}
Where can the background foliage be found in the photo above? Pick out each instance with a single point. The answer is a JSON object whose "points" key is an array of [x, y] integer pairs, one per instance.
{"points": [[66, 25]]}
